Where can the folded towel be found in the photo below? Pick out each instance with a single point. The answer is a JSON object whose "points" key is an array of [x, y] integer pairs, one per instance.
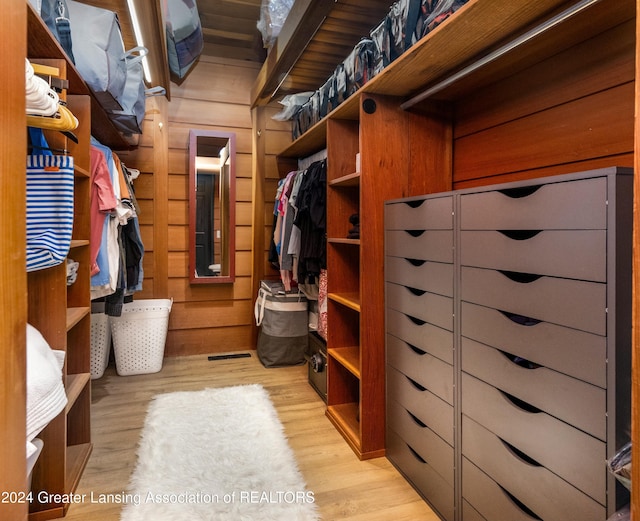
{"points": [[46, 396]]}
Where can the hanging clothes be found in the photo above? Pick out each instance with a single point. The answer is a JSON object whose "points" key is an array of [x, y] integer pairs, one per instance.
{"points": [[311, 220], [298, 245], [116, 241]]}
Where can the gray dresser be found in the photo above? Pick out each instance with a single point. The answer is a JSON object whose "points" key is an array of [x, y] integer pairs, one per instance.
{"points": [[508, 313]]}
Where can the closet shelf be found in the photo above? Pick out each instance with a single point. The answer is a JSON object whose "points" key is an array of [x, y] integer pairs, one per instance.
{"points": [[81, 172], [41, 44], [75, 384], [79, 243], [454, 46], [340, 240], [75, 315], [350, 300], [77, 458], [344, 418], [347, 180], [348, 357]]}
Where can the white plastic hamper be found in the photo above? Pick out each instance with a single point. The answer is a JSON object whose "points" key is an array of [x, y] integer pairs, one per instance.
{"points": [[139, 336], [100, 344]]}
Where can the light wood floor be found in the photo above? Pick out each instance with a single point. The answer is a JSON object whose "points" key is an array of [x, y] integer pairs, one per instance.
{"points": [[344, 487]]}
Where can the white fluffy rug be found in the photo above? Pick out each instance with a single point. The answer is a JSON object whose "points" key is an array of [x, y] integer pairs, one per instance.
{"points": [[219, 455]]}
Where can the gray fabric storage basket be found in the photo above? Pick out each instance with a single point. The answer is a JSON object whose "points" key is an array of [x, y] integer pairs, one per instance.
{"points": [[99, 51], [284, 328]]}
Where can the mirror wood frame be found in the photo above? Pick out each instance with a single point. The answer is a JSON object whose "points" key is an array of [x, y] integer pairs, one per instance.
{"points": [[229, 277]]}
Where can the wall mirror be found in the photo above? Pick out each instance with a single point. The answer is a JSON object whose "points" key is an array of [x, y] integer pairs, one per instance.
{"points": [[212, 222]]}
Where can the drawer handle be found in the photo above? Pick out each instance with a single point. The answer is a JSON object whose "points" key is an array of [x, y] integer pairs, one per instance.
{"points": [[520, 404], [520, 235], [519, 503], [416, 262], [415, 233], [415, 204], [415, 384], [415, 454], [415, 291], [519, 454], [416, 321], [415, 349], [416, 419], [522, 278], [518, 193], [520, 319], [520, 361]]}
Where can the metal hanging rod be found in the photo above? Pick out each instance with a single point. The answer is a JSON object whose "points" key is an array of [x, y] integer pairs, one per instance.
{"points": [[501, 51]]}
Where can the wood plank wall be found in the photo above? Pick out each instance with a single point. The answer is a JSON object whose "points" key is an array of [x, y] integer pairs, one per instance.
{"points": [[578, 104], [205, 318]]}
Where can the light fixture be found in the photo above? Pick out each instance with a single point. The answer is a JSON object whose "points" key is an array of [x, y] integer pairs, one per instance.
{"points": [[207, 164], [138, 33]]}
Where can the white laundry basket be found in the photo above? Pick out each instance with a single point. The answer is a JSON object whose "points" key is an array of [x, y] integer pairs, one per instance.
{"points": [[100, 343], [139, 336]]}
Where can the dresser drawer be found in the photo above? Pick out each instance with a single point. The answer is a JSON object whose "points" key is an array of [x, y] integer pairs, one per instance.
{"points": [[569, 351], [425, 369], [430, 307], [428, 445], [424, 478], [546, 494], [434, 245], [471, 514], [573, 401], [568, 205], [436, 277], [423, 404], [488, 499], [573, 303], [427, 337], [547, 252], [565, 450], [434, 213]]}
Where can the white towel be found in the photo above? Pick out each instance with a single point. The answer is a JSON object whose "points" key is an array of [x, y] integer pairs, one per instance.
{"points": [[46, 396]]}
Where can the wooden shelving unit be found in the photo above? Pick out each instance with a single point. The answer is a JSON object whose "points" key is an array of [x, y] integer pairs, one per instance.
{"points": [[60, 312], [417, 135]]}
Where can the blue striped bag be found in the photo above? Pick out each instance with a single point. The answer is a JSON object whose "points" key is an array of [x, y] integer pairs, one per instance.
{"points": [[49, 210]]}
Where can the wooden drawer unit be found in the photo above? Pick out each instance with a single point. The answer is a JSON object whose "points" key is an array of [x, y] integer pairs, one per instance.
{"points": [[430, 307], [422, 335], [426, 443], [423, 368], [487, 499], [434, 213], [422, 403], [545, 252], [436, 245], [436, 277], [565, 450], [520, 360], [579, 204], [471, 514], [573, 303], [568, 399], [569, 351], [545, 493], [433, 487]]}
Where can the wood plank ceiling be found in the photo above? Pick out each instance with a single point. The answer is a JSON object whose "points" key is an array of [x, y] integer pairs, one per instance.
{"points": [[230, 29]]}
